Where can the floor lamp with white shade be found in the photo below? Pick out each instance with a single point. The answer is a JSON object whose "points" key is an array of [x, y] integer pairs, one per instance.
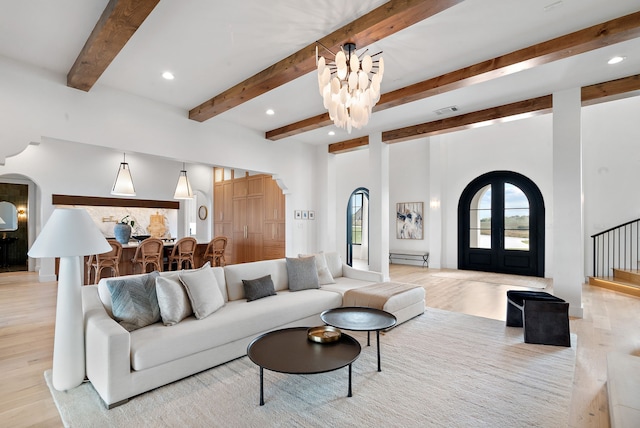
{"points": [[69, 234]]}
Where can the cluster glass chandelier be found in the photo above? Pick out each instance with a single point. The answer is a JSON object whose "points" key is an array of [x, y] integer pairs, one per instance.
{"points": [[350, 86]]}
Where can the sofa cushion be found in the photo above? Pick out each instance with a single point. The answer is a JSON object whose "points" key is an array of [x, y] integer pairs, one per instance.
{"points": [[172, 299], [234, 274], [334, 263], [258, 288], [218, 272], [324, 274], [134, 300], [156, 344], [302, 273], [202, 288]]}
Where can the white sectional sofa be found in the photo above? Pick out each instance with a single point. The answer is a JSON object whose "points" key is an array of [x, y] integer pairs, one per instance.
{"points": [[121, 364]]}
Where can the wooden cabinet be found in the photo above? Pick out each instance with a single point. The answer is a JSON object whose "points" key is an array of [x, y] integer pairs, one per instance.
{"points": [[274, 223], [250, 212], [223, 214]]}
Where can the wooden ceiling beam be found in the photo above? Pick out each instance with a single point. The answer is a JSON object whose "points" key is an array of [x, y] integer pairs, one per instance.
{"points": [[391, 17], [597, 36], [118, 22], [592, 94], [349, 145], [611, 90], [488, 116]]}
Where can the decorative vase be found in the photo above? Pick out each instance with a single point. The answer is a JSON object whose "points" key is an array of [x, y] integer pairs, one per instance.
{"points": [[122, 232]]}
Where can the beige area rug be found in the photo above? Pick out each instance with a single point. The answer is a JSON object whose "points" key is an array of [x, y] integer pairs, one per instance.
{"points": [[495, 278], [441, 369]]}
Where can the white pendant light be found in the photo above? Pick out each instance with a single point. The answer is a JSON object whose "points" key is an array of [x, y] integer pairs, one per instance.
{"points": [[123, 185], [183, 188]]}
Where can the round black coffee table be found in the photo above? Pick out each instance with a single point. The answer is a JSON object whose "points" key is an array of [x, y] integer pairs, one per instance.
{"points": [[357, 318], [290, 351]]}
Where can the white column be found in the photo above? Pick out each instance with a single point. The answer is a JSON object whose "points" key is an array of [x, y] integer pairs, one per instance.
{"points": [[379, 205], [326, 201], [568, 228], [434, 208]]}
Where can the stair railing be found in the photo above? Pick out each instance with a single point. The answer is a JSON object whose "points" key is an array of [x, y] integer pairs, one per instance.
{"points": [[616, 248]]}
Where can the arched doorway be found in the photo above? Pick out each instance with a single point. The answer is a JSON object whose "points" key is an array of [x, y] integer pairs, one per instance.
{"points": [[358, 226], [501, 225]]}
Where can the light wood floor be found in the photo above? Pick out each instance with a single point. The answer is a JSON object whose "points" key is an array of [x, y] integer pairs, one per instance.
{"points": [[611, 322]]}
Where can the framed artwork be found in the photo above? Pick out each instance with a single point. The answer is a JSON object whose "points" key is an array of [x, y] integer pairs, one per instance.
{"points": [[305, 215], [297, 214], [312, 215], [409, 220]]}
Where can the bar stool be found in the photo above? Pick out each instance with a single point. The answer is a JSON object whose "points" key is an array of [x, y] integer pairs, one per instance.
{"points": [[183, 252], [149, 252], [109, 260], [215, 251]]}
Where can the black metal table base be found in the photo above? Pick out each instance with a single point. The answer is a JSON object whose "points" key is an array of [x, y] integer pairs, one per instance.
{"points": [[349, 394]]}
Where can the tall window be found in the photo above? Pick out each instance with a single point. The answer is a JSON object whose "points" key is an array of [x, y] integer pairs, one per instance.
{"points": [[357, 205], [516, 218], [480, 219]]}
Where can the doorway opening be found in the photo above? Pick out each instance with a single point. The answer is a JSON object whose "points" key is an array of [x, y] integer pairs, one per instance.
{"points": [[501, 225], [358, 229]]}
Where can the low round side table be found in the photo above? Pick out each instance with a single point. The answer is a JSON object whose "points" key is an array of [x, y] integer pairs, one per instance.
{"points": [[356, 318], [290, 351]]}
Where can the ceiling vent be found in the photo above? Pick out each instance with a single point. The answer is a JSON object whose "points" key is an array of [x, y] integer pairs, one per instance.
{"points": [[447, 110]]}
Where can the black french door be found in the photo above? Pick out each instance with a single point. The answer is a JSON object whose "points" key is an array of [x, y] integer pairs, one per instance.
{"points": [[501, 225]]}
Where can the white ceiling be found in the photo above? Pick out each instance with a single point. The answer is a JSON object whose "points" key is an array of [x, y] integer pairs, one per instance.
{"points": [[213, 45]]}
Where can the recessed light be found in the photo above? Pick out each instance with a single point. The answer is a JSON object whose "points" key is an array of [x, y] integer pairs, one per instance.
{"points": [[332, 133], [168, 75], [616, 59], [270, 112]]}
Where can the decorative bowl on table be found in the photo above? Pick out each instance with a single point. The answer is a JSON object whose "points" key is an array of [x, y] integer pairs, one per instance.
{"points": [[141, 237], [323, 334]]}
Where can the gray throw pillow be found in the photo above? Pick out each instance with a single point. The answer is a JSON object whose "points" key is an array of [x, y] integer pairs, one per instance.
{"points": [[172, 299], [258, 288], [135, 303], [302, 273], [204, 294]]}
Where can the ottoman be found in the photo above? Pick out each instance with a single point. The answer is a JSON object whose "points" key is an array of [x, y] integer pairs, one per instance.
{"points": [[544, 317], [404, 301]]}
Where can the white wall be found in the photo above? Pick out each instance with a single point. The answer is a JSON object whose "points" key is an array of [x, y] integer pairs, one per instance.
{"points": [[611, 156], [409, 182], [611, 171], [41, 108]]}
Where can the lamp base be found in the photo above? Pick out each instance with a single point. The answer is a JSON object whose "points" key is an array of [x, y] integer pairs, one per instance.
{"points": [[68, 345]]}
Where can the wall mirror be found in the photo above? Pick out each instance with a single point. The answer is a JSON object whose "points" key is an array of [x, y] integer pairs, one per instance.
{"points": [[9, 214]]}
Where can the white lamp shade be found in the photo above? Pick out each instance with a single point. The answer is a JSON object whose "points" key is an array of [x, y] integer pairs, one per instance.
{"points": [[183, 188], [69, 232], [123, 185], [2, 221]]}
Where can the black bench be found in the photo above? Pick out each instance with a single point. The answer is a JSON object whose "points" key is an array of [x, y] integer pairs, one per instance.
{"points": [[544, 317]]}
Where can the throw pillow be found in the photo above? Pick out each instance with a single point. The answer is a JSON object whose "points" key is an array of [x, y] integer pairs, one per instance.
{"points": [[302, 273], [172, 299], [135, 304], [324, 274], [258, 288], [204, 294], [334, 263]]}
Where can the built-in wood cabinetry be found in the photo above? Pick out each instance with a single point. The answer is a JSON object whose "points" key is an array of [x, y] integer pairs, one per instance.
{"points": [[249, 210]]}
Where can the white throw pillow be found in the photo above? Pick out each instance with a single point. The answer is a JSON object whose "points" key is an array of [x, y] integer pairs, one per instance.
{"points": [[334, 263], [202, 288], [172, 299], [324, 274]]}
